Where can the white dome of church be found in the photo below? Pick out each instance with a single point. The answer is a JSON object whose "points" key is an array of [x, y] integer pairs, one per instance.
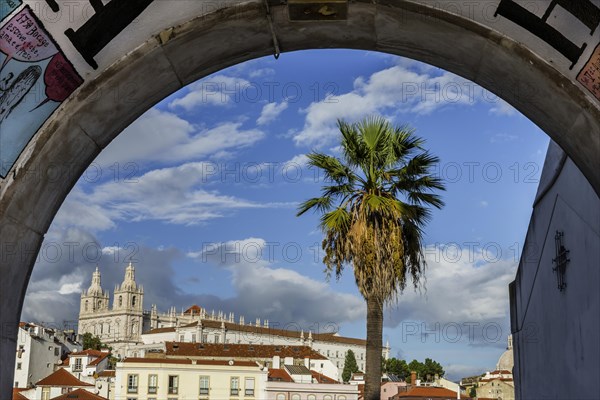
{"points": [[507, 359]]}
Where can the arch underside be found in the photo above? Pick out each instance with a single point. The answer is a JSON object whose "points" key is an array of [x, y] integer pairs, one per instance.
{"points": [[104, 106]]}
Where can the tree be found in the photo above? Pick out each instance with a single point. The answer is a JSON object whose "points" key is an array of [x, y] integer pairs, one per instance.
{"points": [[374, 206], [350, 366], [396, 367], [426, 370], [432, 368], [473, 392], [91, 342]]}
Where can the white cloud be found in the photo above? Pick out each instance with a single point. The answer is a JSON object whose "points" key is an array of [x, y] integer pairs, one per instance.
{"points": [[173, 195], [261, 72], [218, 90], [462, 286], [165, 137], [270, 112], [280, 294], [403, 88]]}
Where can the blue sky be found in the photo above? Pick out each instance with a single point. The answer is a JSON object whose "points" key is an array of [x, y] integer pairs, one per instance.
{"points": [[202, 191]]}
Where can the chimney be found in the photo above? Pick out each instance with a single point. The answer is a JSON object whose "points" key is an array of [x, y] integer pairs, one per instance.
{"points": [[276, 362], [307, 362], [413, 378]]}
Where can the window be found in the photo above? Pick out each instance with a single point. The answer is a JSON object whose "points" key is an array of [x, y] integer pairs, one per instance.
{"points": [[16, 384], [152, 383], [86, 305], [204, 384], [46, 393], [327, 397], [182, 338], [249, 387], [235, 385], [173, 384], [132, 383], [77, 367], [280, 396], [311, 397], [217, 339], [56, 351], [296, 397], [193, 338], [133, 301], [204, 338], [341, 397], [120, 301], [18, 367]]}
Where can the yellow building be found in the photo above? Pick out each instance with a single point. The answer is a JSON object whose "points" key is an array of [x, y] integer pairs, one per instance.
{"points": [[165, 379]]}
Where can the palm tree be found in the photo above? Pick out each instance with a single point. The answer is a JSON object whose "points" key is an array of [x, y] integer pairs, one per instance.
{"points": [[374, 207]]}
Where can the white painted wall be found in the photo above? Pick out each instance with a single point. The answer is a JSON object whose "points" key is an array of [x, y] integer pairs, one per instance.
{"points": [[557, 351]]}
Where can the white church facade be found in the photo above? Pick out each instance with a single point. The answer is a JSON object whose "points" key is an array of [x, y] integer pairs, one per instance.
{"points": [[132, 331]]}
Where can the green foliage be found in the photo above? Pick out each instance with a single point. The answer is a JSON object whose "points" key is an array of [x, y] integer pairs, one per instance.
{"points": [[425, 370], [396, 367], [350, 366], [374, 205], [473, 392], [91, 342]]}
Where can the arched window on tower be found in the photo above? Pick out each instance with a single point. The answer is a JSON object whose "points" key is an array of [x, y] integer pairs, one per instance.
{"points": [[86, 305], [133, 301], [120, 301]]}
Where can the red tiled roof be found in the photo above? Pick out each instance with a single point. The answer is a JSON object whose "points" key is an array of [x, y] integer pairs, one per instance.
{"points": [[107, 372], [89, 352], [61, 378], [160, 330], [99, 359], [188, 361], [195, 309], [227, 350], [230, 326], [279, 375], [320, 378], [16, 394], [429, 393], [79, 394]]}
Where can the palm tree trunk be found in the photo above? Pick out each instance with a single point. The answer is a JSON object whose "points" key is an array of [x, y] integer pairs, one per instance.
{"points": [[374, 340]]}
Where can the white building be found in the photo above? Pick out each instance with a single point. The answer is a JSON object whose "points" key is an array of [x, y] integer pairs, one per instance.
{"points": [[165, 379], [39, 351], [132, 332], [296, 382]]}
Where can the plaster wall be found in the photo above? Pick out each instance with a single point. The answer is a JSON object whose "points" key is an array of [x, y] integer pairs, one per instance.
{"points": [[557, 352]]}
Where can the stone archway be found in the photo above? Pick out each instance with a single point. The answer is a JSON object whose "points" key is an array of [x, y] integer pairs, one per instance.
{"points": [[529, 74]]}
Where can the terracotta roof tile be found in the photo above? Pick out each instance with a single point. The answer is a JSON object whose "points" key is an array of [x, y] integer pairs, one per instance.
{"points": [[107, 372], [428, 393], [227, 350], [187, 361], [89, 352], [79, 394], [324, 337], [279, 375], [320, 378], [16, 394], [195, 309], [61, 378]]}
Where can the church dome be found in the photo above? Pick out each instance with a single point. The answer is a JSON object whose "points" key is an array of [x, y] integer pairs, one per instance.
{"points": [[507, 359]]}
